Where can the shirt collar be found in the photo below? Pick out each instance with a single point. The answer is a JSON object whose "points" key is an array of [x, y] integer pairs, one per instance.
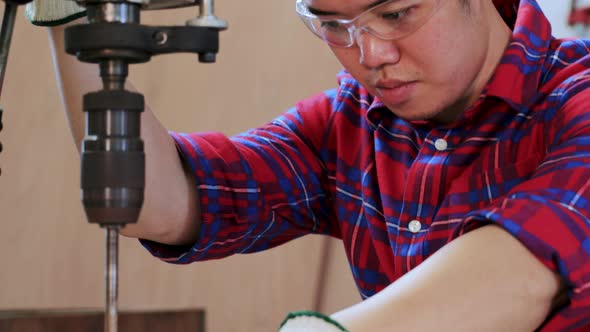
{"points": [[517, 76]]}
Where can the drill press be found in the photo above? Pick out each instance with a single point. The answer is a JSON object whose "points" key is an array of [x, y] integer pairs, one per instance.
{"points": [[112, 160]]}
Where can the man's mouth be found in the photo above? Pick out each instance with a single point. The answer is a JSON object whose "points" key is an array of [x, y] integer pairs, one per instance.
{"points": [[395, 92]]}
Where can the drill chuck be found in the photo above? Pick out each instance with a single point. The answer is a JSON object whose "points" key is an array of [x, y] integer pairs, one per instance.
{"points": [[113, 160]]}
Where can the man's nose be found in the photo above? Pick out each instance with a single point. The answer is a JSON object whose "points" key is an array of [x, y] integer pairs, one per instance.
{"points": [[376, 52]]}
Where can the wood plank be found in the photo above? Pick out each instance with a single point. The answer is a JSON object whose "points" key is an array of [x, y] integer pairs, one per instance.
{"points": [[93, 321]]}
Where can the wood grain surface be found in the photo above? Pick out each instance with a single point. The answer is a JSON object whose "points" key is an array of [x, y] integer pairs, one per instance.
{"points": [[93, 321]]}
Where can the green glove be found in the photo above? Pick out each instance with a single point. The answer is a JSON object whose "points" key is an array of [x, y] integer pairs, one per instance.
{"points": [[53, 12], [310, 321]]}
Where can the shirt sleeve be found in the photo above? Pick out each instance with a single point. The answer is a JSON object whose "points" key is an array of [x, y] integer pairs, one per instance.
{"points": [[258, 189], [550, 212]]}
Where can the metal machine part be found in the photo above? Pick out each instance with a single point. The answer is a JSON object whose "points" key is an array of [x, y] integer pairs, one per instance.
{"points": [[113, 160], [10, 10], [207, 18], [8, 20], [155, 4], [166, 4]]}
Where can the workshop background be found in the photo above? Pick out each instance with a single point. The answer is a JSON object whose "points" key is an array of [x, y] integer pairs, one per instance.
{"points": [[53, 259]]}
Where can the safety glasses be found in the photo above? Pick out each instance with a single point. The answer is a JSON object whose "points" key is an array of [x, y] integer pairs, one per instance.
{"points": [[392, 19]]}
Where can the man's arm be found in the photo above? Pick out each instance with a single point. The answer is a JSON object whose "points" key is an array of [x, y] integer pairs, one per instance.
{"points": [[170, 209], [485, 280]]}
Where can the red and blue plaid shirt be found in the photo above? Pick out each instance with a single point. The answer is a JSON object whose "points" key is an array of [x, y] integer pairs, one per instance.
{"points": [[395, 192]]}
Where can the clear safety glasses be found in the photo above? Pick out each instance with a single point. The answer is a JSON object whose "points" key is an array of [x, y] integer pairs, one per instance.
{"points": [[392, 19]]}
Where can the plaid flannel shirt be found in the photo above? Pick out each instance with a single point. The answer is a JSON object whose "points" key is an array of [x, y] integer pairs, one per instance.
{"points": [[395, 192]]}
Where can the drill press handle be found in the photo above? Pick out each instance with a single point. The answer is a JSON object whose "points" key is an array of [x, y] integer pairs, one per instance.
{"points": [[9, 17]]}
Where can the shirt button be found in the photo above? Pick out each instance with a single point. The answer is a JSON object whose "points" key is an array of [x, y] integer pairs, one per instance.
{"points": [[441, 144], [415, 226]]}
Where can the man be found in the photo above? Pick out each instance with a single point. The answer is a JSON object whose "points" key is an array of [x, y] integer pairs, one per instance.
{"points": [[452, 162]]}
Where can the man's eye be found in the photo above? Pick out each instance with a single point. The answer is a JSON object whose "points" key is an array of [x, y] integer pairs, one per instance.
{"points": [[395, 16], [332, 25]]}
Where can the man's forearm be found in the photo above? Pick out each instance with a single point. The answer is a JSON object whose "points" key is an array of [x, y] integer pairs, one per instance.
{"points": [[170, 213], [483, 281]]}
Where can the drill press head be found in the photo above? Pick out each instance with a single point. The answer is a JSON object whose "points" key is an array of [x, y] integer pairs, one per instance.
{"points": [[113, 160]]}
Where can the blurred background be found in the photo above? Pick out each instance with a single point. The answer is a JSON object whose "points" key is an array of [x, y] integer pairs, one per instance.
{"points": [[52, 258]]}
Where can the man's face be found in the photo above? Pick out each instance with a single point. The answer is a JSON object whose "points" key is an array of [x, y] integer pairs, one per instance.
{"points": [[433, 73]]}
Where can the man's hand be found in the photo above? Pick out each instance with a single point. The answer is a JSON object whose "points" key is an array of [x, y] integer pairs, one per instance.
{"points": [[310, 321]]}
